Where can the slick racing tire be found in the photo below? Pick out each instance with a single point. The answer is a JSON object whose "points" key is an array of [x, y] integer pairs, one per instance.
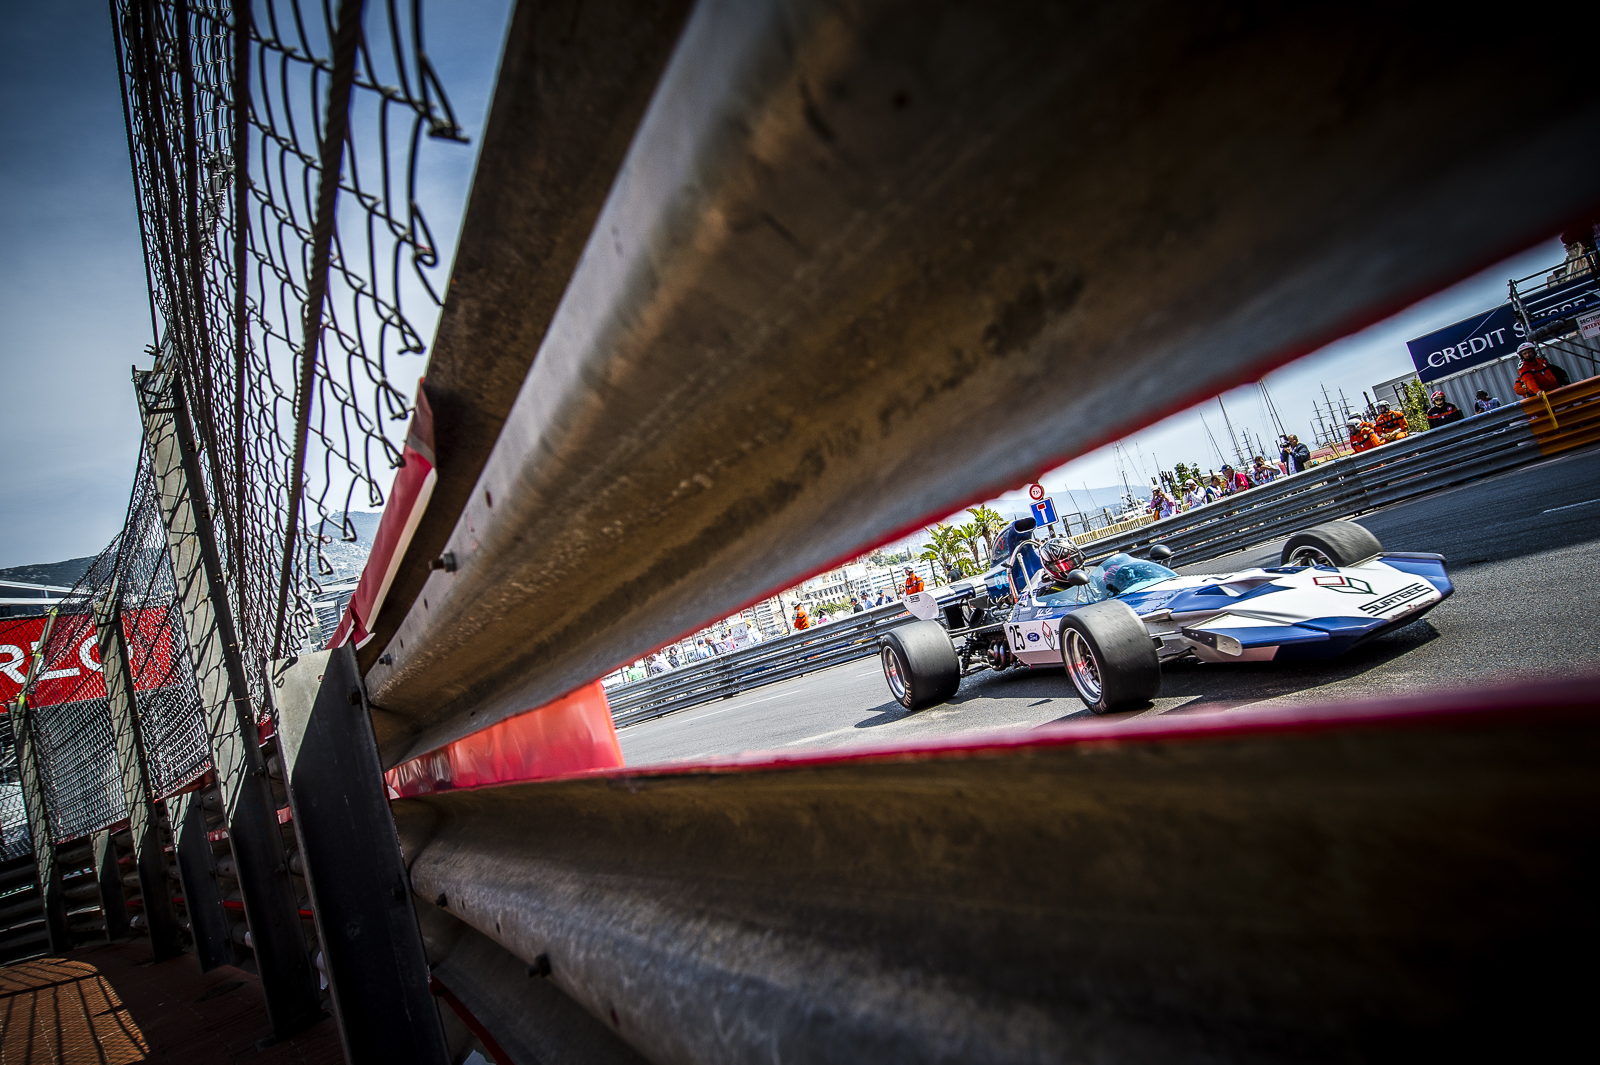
{"points": [[1110, 657], [1333, 543], [919, 664]]}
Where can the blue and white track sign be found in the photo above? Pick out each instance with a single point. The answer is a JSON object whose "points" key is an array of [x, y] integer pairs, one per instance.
{"points": [[1044, 511]]}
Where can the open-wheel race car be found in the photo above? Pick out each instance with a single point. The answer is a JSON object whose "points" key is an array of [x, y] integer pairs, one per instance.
{"points": [[1114, 621]]}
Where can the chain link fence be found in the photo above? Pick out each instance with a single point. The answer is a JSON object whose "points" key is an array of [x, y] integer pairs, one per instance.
{"points": [[275, 151]]}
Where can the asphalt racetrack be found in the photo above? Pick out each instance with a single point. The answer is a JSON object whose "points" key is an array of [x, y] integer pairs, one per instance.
{"points": [[1523, 549]]}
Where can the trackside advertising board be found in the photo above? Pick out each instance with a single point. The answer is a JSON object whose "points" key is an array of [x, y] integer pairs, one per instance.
{"points": [[1471, 342], [1494, 334], [74, 673]]}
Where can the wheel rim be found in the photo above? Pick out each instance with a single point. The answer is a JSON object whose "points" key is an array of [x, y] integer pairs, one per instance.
{"points": [[891, 673], [1083, 666], [1307, 555]]}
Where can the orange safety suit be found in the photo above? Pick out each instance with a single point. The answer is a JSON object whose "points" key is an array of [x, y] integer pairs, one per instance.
{"points": [[1391, 425], [1364, 437], [800, 620], [913, 584], [1535, 377]]}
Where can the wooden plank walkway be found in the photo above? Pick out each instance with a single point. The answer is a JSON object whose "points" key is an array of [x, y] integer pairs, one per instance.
{"points": [[108, 1005]]}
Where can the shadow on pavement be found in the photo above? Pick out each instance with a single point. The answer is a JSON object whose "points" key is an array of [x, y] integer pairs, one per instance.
{"points": [[1207, 688]]}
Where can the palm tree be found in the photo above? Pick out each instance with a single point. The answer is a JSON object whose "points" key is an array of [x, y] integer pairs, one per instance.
{"points": [[987, 524], [971, 535]]}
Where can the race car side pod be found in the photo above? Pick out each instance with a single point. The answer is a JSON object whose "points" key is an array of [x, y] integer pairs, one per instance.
{"points": [[1333, 883]]}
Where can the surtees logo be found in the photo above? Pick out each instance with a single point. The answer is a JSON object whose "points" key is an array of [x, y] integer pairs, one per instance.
{"points": [[1394, 599]]}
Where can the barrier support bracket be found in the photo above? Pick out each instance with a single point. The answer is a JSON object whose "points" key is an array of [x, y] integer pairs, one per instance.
{"points": [[360, 891], [44, 843], [144, 817], [197, 873], [113, 900]]}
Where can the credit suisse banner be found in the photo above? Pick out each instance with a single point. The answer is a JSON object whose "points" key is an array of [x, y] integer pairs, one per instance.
{"points": [[74, 673], [1482, 338], [1494, 334]]}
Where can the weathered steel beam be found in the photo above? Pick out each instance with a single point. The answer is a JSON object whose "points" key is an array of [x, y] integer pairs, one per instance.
{"points": [[270, 907], [1253, 886], [371, 949], [574, 81], [864, 264], [144, 816]]}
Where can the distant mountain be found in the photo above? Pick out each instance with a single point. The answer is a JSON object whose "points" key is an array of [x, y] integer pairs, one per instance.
{"points": [[346, 557], [62, 574]]}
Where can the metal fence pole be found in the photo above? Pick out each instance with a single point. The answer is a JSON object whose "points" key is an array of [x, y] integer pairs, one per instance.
{"points": [[113, 901], [360, 891], [197, 873], [269, 901], [144, 817], [44, 844]]}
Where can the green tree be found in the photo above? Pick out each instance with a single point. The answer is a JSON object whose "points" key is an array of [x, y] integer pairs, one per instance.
{"points": [[987, 524], [945, 546], [1414, 403]]}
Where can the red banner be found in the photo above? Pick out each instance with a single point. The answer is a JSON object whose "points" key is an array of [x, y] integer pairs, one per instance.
{"points": [[73, 671]]}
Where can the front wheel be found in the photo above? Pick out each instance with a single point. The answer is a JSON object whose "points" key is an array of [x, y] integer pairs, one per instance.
{"points": [[1110, 657], [920, 665], [1333, 543]]}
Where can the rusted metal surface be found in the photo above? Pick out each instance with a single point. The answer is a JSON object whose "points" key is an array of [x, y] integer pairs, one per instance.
{"points": [[864, 263], [574, 80], [1302, 886]]}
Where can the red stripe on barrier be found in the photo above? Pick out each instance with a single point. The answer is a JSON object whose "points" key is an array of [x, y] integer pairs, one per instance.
{"points": [[573, 734]]}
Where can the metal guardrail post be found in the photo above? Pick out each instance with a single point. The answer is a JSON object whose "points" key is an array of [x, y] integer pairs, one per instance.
{"points": [[197, 874], [44, 844], [113, 901], [360, 891], [270, 906], [144, 817]]}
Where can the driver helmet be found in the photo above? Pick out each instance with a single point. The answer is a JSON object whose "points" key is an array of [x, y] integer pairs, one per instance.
{"points": [[1060, 556]]}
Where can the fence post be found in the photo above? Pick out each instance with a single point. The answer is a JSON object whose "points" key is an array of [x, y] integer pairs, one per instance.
{"points": [[268, 895], [113, 901], [144, 817], [44, 844], [350, 850], [197, 873]]}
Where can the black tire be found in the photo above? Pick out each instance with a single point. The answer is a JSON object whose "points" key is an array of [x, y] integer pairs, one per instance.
{"points": [[919, 664], [1333, 543], [1110, 657]]}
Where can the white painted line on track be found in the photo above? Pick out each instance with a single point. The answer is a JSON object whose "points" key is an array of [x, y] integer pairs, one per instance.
{"points": [[1569, 506]]}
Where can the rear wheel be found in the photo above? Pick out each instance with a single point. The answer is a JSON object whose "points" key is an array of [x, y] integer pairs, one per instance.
{"points": [[1333, 543], [919, 664], [1110, 657]]}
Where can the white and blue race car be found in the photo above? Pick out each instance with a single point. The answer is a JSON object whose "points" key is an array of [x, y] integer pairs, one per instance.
{"points": [[1112, 622]]}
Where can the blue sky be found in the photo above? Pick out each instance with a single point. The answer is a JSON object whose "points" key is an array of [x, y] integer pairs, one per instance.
{"points": [[74, 313], [74, 310]]}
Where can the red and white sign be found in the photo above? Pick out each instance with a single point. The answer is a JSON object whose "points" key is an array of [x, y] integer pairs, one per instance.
{"points": [[1036, 492], [73, 673]]}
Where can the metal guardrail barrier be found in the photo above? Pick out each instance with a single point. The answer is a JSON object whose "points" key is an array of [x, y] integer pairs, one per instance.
{"points": [[764, 663], [1453, 454]]}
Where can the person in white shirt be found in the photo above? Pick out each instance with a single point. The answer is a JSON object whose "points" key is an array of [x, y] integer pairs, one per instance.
{"points": [[1192, 496]]}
